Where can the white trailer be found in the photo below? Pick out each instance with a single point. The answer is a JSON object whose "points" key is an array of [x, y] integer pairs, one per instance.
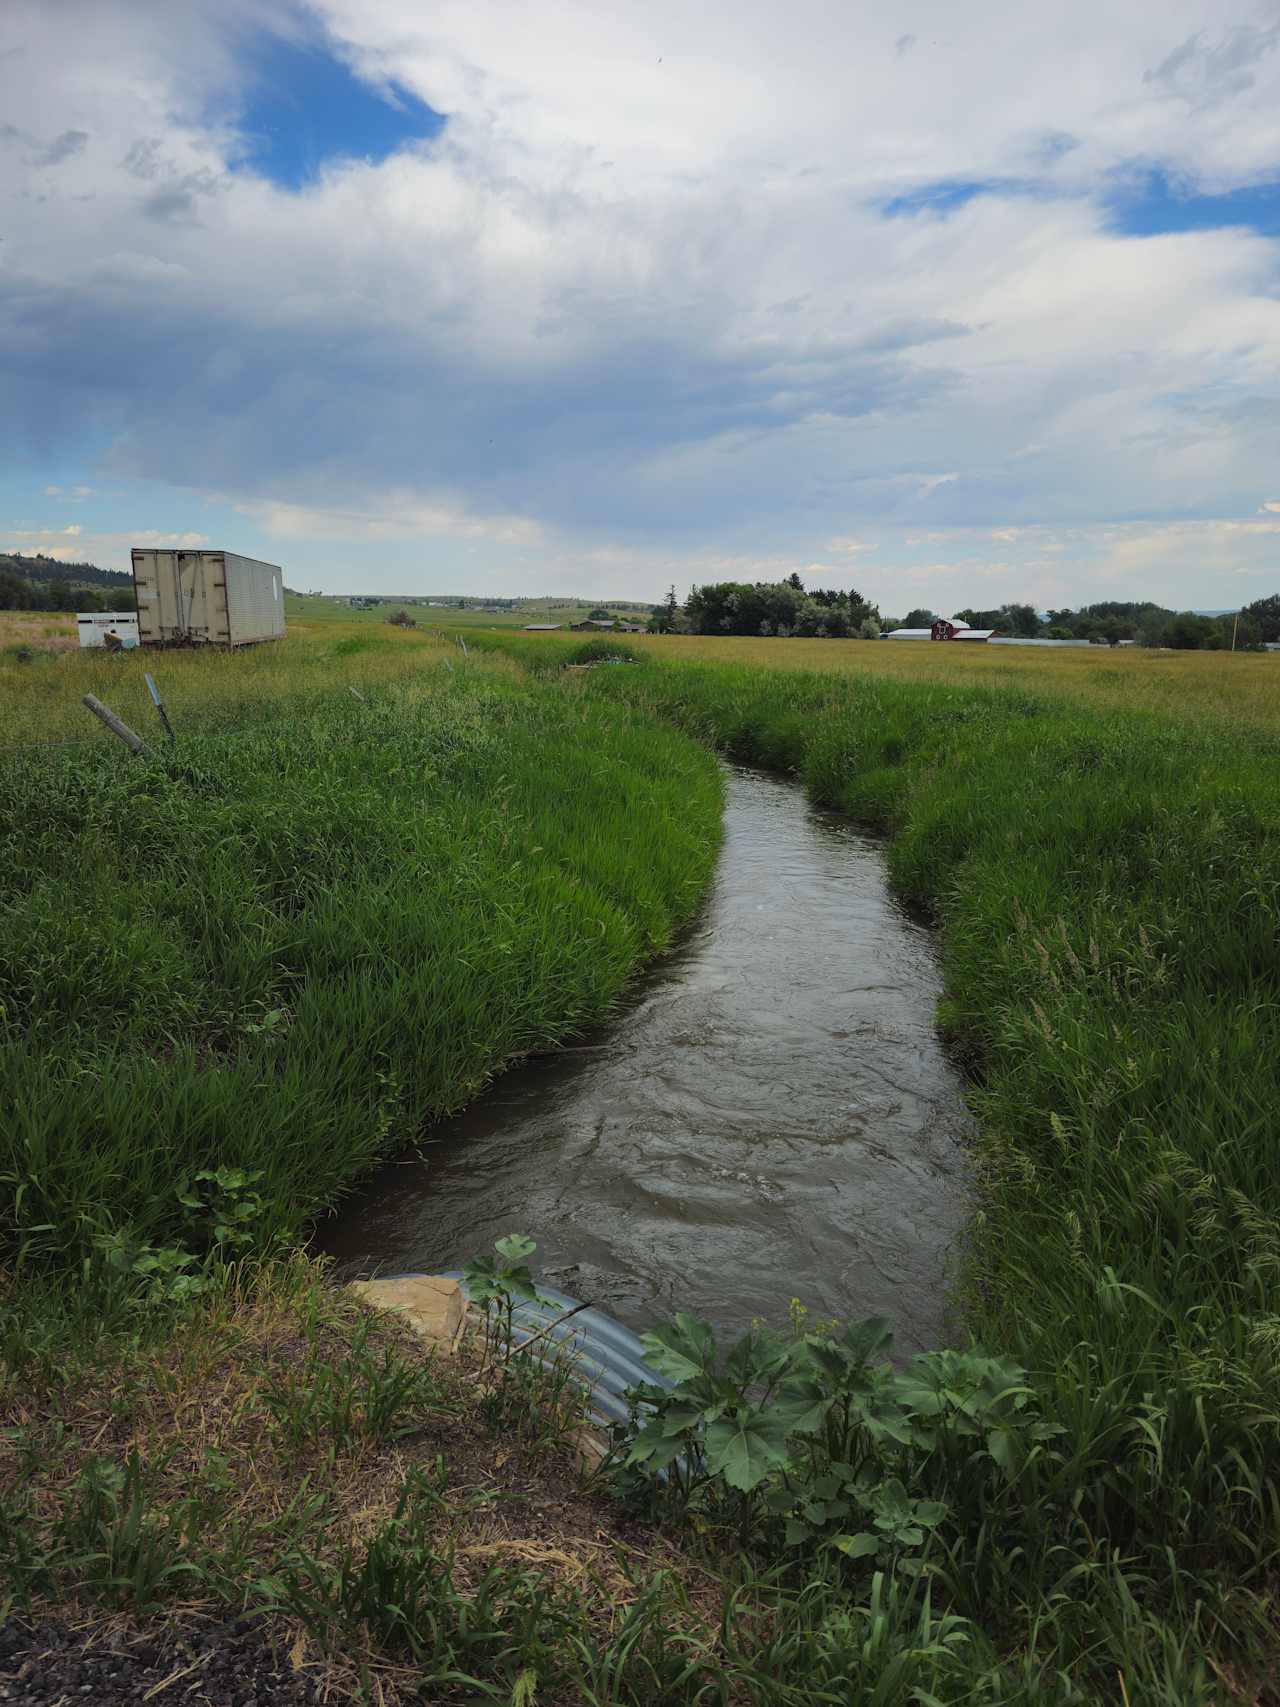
{"points": [[94, 627], [206, 597]]}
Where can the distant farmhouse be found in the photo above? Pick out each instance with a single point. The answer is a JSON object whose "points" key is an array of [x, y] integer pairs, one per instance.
{"points": [[943, 629]]}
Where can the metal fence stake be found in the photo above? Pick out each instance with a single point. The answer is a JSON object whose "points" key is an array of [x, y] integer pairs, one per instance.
{"points": [[159, 705]]}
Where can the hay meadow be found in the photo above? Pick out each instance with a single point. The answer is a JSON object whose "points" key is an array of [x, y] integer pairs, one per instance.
{"points": [[235, 974]]}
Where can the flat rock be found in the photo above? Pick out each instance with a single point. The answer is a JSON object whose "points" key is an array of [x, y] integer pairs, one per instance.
{"points": [[433, 1306]]}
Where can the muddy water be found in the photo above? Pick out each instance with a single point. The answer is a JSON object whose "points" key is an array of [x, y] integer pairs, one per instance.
{"points": [[771, 1116]]}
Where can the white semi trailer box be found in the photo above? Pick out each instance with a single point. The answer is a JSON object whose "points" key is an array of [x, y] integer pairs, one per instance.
{"points": [[93, 627], [213, 597]]}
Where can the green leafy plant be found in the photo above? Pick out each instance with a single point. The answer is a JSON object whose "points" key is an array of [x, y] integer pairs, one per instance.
{"points": [[221, 1207], [899, 1522], [498, 1285], [821, 1433], [159, 1275], [529, 1377], [275, 1019]]}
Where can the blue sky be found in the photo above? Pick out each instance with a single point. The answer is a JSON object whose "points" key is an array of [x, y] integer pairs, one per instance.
{"points": [[606, 296], [1139, 203], [1151, 204], [304, 109]]}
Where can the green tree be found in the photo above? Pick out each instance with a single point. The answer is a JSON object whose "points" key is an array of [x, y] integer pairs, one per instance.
{"points": [[1019, 620], [15, 592], [666, 616], [1266, 613], [918, 619], [1189, 632]]}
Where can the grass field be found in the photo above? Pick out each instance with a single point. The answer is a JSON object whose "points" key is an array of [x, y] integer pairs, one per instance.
{"points": [[321, 919], [1241, 690], [207, 690], [39, 631], [311, 607]]}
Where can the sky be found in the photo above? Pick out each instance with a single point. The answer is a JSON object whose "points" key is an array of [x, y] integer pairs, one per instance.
{"points": [[600, 297]]}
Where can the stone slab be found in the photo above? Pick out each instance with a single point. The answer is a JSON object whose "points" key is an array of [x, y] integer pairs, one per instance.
{"points": [[433, 1306]]}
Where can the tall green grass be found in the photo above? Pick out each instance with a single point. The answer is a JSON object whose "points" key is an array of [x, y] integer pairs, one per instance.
{"points": [[287, 945]]}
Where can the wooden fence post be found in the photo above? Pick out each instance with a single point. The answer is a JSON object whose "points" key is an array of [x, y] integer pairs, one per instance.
{"points": [[134, 742]]}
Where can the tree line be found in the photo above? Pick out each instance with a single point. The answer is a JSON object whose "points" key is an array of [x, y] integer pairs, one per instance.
{"points": [[785, 609], [781, 608], [45, 583]]}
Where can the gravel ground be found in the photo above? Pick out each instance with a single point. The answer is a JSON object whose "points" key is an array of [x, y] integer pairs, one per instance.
{"points": [[54, 1665]]}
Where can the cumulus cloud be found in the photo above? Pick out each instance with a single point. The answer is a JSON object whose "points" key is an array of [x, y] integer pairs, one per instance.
{"points": [[26, 533], [109, 549], [390, 516], [646, 293]]}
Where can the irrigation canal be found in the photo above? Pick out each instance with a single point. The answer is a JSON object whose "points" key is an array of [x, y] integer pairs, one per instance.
{"points": [[771, 1115]]}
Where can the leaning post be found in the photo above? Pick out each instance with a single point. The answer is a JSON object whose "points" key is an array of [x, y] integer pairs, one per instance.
{"points": [[135, 743]]}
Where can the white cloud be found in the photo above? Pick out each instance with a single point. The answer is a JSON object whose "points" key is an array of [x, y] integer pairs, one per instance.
{"points": [[108, 549], [642, 297], [391, 515]]}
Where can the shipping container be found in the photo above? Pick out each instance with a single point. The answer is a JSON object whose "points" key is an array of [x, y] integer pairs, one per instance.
{"points": [[207, 597]]}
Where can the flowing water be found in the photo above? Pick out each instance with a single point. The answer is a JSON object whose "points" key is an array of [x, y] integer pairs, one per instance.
{"points": [[771, 1116]]}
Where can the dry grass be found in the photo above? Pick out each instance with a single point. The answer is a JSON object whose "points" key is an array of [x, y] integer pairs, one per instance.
{"points": [[195, 1411], [42, 631]]}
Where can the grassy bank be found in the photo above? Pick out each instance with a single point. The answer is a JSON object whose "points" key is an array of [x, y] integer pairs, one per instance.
{"points": [[286, 945]]}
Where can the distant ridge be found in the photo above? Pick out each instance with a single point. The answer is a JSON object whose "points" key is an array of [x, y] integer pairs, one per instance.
{"points": [[52, 571]]}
